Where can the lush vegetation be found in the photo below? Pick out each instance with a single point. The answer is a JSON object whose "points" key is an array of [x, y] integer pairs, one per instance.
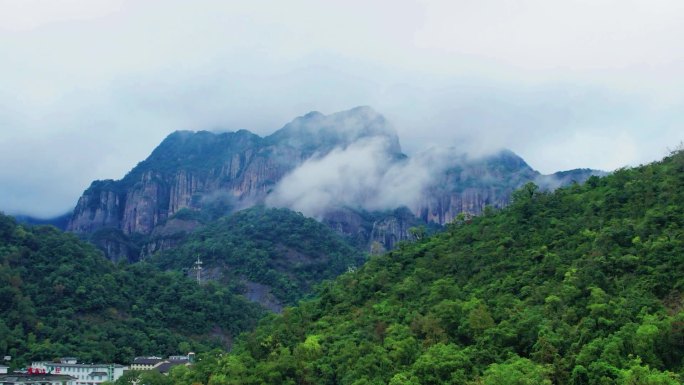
{"points": [[275, 247], [60, 297], [580, 286]]}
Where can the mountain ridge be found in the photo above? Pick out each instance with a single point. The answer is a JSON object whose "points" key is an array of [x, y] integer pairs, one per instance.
{"points": [[191, 169]]}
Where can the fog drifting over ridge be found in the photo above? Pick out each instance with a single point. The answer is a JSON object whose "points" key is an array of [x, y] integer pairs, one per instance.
{"points": [[91, 87], [369, 174], [363, 175], [365, 169]]}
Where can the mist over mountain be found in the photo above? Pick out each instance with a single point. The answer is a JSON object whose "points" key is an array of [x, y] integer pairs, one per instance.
{"points": [[59, 222], [315, 133], [330, 167]]}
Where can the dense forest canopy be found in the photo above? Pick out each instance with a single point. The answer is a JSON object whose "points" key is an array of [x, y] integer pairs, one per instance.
{"points": [[279, 248], [61, 297], [580, 286]]}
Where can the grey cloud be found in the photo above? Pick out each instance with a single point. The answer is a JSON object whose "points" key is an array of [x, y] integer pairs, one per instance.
{"points": [[90, 87], [364, 175], [344, 177]]}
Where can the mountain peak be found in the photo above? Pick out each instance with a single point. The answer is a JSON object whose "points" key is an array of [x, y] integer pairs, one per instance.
{"points": [[316, 132], [509, 159], [313, 115]]}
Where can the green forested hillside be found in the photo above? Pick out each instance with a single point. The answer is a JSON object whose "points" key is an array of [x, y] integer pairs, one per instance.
{"points": [[580, 286], [275, 247], [59, 296]]}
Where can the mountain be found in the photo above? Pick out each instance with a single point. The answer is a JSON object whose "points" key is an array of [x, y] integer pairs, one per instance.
{"points": [[333, 167], [62, 297], [315, 133], [468, 184], [583, 285], [188, 167]]}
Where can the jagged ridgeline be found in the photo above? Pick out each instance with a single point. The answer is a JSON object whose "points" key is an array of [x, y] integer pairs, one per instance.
{"points": [[60, 297], [345, 169], [273, 256], [218, 172], [579, 286]]}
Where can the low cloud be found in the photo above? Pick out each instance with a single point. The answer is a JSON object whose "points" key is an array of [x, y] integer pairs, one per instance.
{"points": [[344, 177], [364, 175], [91, 87]]}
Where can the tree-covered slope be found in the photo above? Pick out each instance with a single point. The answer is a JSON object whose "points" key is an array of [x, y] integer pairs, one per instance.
{"points": [[580, 286], [278, 249], [60, 297]]}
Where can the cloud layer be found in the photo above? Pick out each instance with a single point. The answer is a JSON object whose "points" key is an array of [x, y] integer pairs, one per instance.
{"points": [[364, 175], [89, 88]]}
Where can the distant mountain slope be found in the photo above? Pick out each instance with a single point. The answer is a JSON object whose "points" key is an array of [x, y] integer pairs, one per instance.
{"points": [[316, 164], [60, 297], [584, 285], [277, 255]]}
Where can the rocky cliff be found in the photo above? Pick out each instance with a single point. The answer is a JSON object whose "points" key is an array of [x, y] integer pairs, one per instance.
{"points": [[469, 184], [185, 171], [379, 230], [188, 170], [232, 170]]}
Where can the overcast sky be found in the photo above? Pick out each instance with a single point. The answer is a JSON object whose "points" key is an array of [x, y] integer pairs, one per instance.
{"points": [[89, 87]]}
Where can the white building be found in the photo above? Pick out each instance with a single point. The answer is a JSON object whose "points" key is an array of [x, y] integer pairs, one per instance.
{"points": [[86, 374], [3, 369]]}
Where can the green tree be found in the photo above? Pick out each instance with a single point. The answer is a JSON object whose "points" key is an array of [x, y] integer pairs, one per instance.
{"points": [[516, 371]]}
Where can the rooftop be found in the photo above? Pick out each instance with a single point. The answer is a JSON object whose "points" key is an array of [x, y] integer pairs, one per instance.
{"points": [[146, 360], [49, 363], [97, 374], [22, 377], [165, 366]]}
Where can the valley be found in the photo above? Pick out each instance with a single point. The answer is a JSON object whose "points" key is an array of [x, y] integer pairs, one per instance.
{"points": [[482, 271]]}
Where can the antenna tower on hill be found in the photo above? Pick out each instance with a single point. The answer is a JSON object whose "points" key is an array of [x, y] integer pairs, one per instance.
{"points": [[198, 269]]}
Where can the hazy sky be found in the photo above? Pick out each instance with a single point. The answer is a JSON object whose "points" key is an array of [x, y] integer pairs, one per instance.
{"points": [[89, 87]]}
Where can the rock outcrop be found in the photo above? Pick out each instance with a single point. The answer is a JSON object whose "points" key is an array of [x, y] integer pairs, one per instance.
{"points": [[188, 170], [227, 171]]}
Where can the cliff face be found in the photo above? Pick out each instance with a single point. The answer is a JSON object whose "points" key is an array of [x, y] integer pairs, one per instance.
{"points": [[234, 170], [388, 231], [154, 190], [468, 185], [373, 231], [99, 207]]}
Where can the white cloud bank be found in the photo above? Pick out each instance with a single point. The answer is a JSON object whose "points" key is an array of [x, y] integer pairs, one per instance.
{"points": [[90, 87], [364, 175]]}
